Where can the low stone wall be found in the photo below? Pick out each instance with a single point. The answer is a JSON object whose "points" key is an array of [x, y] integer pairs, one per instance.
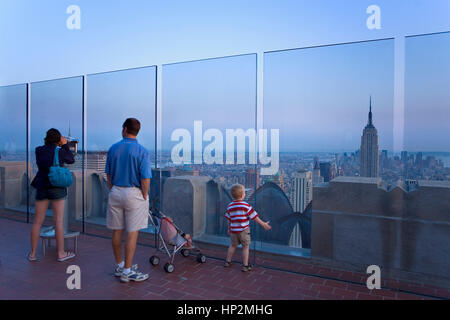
{"points": [[13, 183], [358, 221], [184, 200]]}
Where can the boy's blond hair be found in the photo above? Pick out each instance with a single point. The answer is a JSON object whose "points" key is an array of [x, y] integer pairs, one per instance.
{"points": [[237, 190]]}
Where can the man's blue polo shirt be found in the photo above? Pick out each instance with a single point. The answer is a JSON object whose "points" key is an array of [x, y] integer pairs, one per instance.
{"points": [[128, 162]]}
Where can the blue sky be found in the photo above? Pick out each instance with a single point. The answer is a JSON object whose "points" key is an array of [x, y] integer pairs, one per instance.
{"points": [[427, 93], [36, 45], [13, 103], [55, 105], [319, 97], [113, 97], [228, 103]]}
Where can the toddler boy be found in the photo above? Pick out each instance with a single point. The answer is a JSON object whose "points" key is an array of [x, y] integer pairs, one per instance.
{"points": [[238, 215]]}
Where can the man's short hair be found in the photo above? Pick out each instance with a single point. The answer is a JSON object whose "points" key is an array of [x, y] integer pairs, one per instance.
{"points": [[237, 191], [133, 126]]}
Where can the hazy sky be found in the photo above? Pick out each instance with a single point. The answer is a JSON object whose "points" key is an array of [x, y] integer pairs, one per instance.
{"points": [[319, 93], [113, 97], [319, 97], [229, 102], [13, 111], [56, 104], [36, 45], [427, 93]]}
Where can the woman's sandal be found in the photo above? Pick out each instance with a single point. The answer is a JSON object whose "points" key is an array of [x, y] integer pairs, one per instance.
{"points": [[31, 259], [246, 268], [69, 255]]}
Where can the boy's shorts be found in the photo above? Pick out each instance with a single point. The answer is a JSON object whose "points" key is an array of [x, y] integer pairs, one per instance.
{"points": [[127, 209], [242, 237]]}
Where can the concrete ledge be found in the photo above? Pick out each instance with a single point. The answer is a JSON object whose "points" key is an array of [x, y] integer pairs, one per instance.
{"points": [[356, 222], [184, 200]]}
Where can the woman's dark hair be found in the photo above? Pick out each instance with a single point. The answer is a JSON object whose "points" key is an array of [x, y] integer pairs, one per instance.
{"points": [[133, 126], [53, 136]]}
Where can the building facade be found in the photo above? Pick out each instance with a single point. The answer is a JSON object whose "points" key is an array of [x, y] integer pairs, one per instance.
{"points": [[302, 190], [369, 151]]}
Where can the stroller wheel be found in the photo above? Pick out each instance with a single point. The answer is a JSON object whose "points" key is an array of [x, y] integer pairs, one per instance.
{"points": [[154, 260], [201, 258], [168, 267], [185, 252]]}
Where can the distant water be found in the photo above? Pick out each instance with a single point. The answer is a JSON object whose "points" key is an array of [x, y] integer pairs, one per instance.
{"points": [[323, 156], [18, 156], [444, 156]]}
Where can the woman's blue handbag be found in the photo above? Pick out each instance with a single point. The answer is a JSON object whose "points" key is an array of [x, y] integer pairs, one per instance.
{"points": [[59, 176]]}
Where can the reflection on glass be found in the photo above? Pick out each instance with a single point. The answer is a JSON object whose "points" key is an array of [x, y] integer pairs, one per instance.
{"points": [[426, 153], [208, 141], [111, 99], [424, 163], [334, 108], [13, 146], [58, 104]]}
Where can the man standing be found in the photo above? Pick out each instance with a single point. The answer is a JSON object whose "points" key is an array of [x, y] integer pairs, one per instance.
{"points": [[128, 170]]}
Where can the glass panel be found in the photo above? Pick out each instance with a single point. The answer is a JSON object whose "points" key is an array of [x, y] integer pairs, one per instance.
{"points": [[424, 164], [427, 106], [112, 98], [202, 101], [58, 104], [13, 147], [319, 100]]}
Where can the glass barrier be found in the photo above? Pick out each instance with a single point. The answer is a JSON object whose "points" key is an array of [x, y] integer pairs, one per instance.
{"points": [[13, 147], [113, 97], [333, 107], [323, 169], [424, 163], [426, 153], [57, 104], [208, 144]]}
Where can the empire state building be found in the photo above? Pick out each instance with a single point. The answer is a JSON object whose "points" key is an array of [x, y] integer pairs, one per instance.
{"points": [[369, 159]]}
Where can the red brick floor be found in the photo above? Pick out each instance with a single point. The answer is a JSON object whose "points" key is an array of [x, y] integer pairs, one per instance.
{"points": [[46, 279]]}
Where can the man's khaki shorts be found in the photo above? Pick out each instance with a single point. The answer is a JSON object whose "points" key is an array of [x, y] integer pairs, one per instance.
{"points": [[242, 237], [127, 209]]}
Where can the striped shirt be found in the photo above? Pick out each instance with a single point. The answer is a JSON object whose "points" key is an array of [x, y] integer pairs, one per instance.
{"points": [[239, 214]]}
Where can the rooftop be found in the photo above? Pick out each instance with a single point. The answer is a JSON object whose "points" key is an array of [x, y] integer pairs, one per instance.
{"points": [[46, 279]]}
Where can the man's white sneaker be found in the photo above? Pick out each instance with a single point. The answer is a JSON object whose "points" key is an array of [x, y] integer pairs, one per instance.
{"points": [[118, 271], [134, 275]]}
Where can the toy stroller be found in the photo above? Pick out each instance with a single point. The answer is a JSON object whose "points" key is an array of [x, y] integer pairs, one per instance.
{"points": [[170, 235]]}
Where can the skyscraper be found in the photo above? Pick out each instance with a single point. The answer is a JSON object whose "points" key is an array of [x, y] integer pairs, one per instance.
{"points": [[277, 179], [303, 190], [252, 178], [419, 156], [316, 172], [370, 161], [72, 142], [327, 170], [92, 161], [404, 156]]}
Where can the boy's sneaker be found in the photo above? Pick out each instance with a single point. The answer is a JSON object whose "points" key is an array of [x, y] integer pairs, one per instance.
{"points": [[134, 275], [227, 264], [118, 270], [246, 268]]}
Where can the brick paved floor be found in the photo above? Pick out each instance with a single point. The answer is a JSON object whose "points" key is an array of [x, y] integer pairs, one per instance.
{"points": [[46, 279]]}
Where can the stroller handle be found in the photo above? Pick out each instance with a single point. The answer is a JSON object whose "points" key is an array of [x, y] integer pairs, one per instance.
{"points": [[156, 213], [159, 215]]}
